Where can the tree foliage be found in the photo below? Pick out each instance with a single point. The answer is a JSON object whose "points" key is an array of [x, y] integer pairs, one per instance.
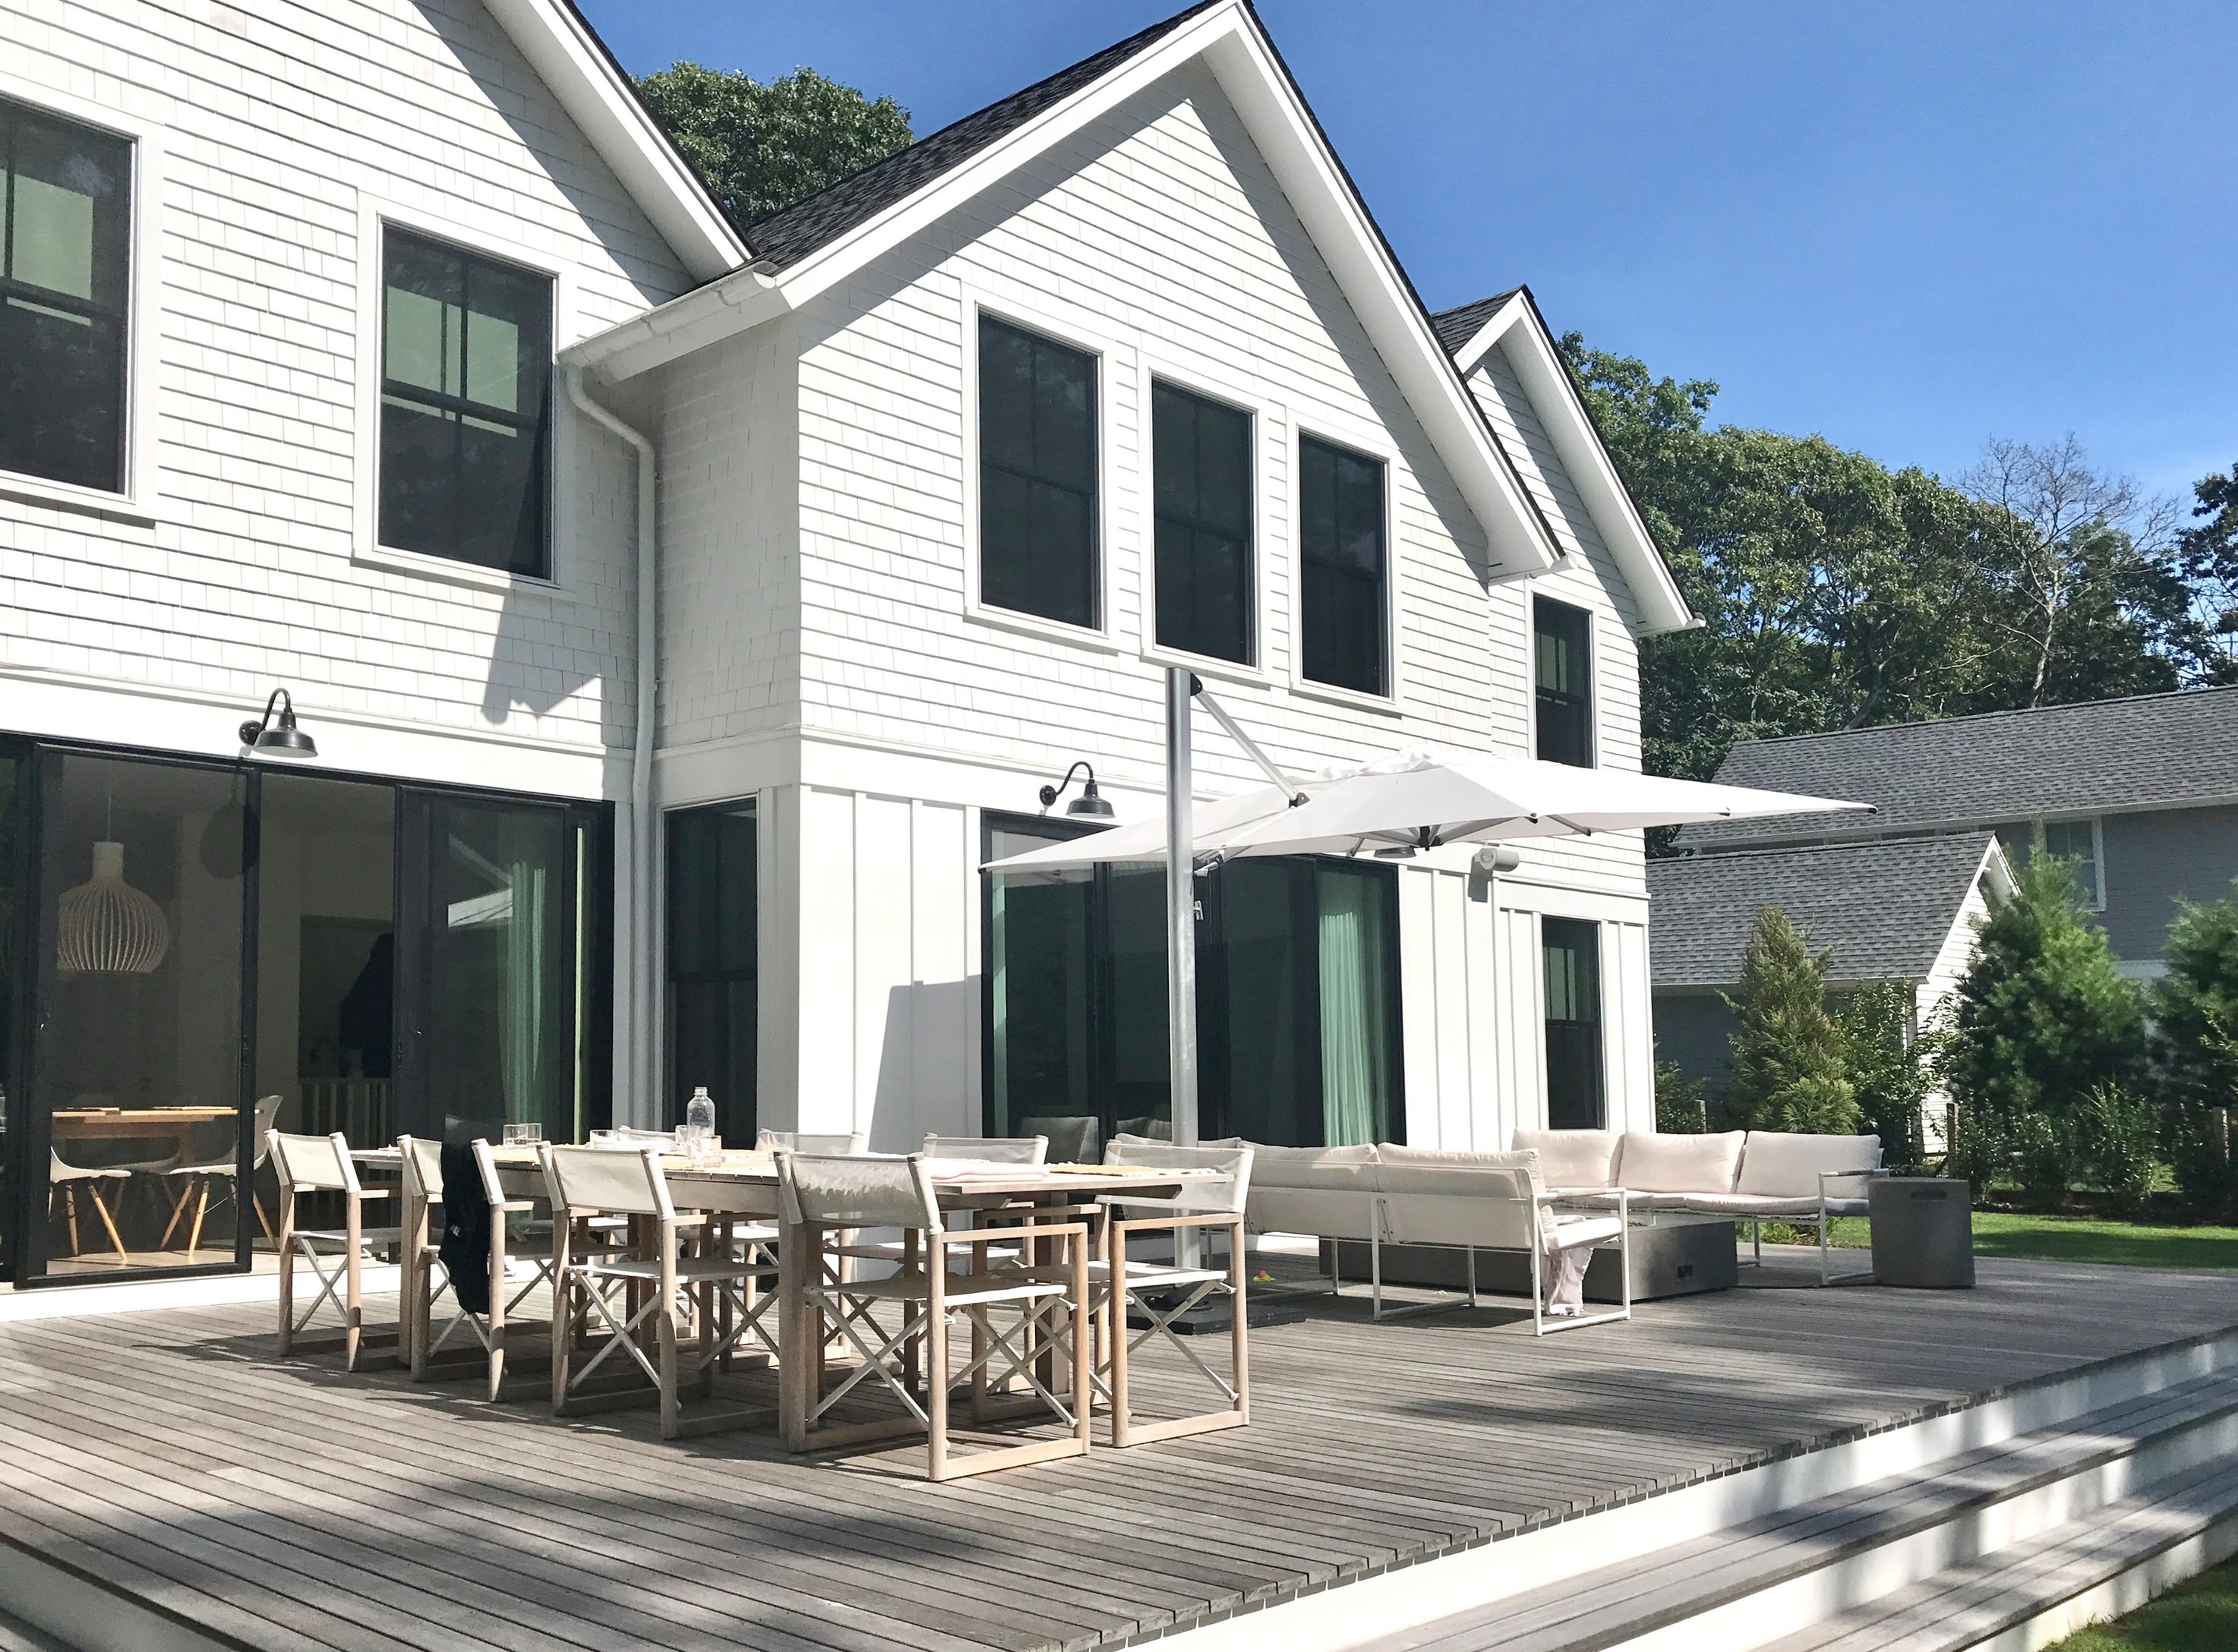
{"points": [[761, 147], [2194, 1008], [1885, 1061], [1789, 1072]]}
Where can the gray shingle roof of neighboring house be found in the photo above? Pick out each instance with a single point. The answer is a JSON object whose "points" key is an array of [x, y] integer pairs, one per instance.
{"points": [[1884, 908], [790, 236], [2164, 750], [1456, 327]]}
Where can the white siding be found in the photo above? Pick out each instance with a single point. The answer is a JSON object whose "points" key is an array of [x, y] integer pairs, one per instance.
{"points": [[278, 121], [1952, 959]]}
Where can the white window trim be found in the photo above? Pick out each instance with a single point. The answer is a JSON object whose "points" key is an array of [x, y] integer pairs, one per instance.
{"points": [[142, 307], [1066, 330], [2096, 901], [470, 232], [1533, 592], [1386, 455], [1269, 422]]}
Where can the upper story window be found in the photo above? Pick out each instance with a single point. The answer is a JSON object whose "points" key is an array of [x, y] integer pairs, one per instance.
{"points": [[1037, 511], [466, 381], [1342, 598], [1201, 459], [2076, 841], [65, 278], [1562, 646]]}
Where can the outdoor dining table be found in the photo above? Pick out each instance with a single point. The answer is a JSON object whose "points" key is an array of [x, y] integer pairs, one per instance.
{"points": [[746, 1184]]}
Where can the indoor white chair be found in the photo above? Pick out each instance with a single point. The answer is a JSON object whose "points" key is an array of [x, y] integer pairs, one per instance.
{"points": [[531, 1256], [65, 1179], [1041, 1317], [322, 1165], [1162, 1292], [1074, 1139], [195, 1177], [634, 1298]]}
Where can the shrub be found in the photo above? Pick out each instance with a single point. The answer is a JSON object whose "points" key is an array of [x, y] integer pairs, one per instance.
{"points": [[2045, 1156], [1980, 1148], [2118, 1143], [1787, 1056], [1888, 1068], [2194, 1008], [1680, 1109]]}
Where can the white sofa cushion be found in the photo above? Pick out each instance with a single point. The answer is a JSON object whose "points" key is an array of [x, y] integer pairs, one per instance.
{"points": [[1780, 1165], [1650, 1162], [1573, 1158]]}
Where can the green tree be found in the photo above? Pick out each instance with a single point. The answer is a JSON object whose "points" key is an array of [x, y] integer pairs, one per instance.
{"points": [[1787, 1054], [2208, 552], [1678, 1106], [762, 147], [1886, 1063], [2195, 1007], [2042, 1017]]}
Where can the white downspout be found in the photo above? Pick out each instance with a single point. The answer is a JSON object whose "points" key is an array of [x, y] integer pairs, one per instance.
{"points": [[640, 1015]]}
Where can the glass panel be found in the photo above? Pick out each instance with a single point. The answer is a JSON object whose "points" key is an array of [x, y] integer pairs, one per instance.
{"points": [[713, 952], [1340, 529], [326, 957], [500, 988], [1040, 981], [1359, 982], [1572, 948], [71, 188], [1256, 1016], [2076, 843], [139, 1079], [1141, 1088], [1037, 550], [1201, 462], [12, 915], [1563, 647]]}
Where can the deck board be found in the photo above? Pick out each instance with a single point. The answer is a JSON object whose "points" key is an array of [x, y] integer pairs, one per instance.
{"points": [[288, 1505]]}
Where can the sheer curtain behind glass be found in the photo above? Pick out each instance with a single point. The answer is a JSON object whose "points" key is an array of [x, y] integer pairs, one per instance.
{"points": [[1357, 982]]}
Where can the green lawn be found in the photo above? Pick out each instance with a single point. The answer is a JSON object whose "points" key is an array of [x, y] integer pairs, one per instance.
{"points": [[2201, 1616], [2084, 1238]]}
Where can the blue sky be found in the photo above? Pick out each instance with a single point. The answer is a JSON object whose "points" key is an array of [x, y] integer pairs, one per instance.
{"points": [[1908, 226]]}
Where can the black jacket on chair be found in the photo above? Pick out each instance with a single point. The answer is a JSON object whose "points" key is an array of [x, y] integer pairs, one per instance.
{"points": [[466, 1244]]}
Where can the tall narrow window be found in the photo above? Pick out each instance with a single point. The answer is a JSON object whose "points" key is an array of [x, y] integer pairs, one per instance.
{"points": [[1571, 947], [1201, 457], [1343, 603], [65, 234], [1038, 541], [466, 379], [712, 953], [1563, 649]]}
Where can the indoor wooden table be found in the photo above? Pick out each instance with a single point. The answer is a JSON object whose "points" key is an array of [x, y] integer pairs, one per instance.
{"points": [[133, 1124]]}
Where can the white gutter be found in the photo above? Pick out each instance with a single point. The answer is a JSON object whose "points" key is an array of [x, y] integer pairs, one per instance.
{"points": [[638, 990]]}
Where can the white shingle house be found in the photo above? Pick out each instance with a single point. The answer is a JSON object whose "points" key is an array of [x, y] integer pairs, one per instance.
{"points": [[382, 352]]}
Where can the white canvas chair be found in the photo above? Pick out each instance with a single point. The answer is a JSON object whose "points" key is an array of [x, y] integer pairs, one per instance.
{"points": [[634, 1297], [822, 1194], [1162, 1292], [194, 1178], [995, 1150], [1074, 1139], [322, 1165], [423, 1180], [64, 1178], [841, 1143]]}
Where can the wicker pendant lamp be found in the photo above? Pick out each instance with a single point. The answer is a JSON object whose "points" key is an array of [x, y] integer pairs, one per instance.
{"points": [[105, 926]]}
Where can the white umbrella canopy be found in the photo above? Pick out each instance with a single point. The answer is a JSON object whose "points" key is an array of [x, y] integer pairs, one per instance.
{"points": [[1418, 799]]}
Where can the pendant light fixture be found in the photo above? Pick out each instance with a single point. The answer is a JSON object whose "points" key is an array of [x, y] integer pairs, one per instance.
{"points": [[105, 926]]}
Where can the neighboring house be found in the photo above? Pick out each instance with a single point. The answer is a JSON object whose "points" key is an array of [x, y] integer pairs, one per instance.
{"points": [[1902, 912], [2141, 794], [387, 355]]}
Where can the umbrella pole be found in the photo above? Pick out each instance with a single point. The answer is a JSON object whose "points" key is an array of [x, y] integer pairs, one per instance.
{"points": [[1181, 909]]}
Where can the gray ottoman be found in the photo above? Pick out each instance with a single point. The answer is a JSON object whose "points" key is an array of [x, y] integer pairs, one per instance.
{"points": [[1922, 1232]]}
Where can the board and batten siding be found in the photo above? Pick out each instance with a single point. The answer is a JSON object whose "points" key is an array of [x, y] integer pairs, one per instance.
{"points": [[272, 130]]}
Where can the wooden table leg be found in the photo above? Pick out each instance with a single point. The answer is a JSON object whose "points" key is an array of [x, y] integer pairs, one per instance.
{"points": [[795, 1358]]}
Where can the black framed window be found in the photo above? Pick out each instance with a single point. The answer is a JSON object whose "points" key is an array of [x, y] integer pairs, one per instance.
{"points": [[713, 959], [466, 394], [1201, 459], [1574, 1091], [1343, 599], [1563, 648], [65, 286], [1037, 532]]}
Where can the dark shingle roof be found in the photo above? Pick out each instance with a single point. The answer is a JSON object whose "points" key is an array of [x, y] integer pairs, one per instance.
{"points": [[1455, 327], [2156, 750], [1885, 908], [788, 236]]}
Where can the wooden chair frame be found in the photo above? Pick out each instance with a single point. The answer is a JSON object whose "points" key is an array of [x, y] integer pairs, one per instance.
{"points": [[1119, 1345], [348, 1276]]}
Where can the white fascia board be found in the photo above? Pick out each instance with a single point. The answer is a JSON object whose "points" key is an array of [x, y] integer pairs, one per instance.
{"points": [[1554, 397], [559, 48], [1996, 872]]}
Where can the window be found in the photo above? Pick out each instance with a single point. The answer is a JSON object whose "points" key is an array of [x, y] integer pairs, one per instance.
{"points": [[2073, 840], [1572, 949], [713, 935], [1344, 607], [1562, 640], [65, 232], [466, 381], [1037, 539], [1202, 463]]}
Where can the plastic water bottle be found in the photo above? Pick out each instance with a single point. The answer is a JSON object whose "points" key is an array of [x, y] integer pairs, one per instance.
{"points": [[699, 1124]]}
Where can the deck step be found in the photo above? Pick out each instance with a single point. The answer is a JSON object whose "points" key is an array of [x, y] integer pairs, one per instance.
{"points": [[2038, 1591], [16, 1635], [1777, 1574]]}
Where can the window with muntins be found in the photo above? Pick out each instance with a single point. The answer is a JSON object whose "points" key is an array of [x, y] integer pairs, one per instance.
{"points": [[466, 384], [2075, 841], [65, 284], [1563, 648], [1343, 600], [1037, 531], [1201, 461], [1572, 955]]}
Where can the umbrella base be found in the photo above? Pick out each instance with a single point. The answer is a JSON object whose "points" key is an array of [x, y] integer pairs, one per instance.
{"points": [[1213, 1318]]}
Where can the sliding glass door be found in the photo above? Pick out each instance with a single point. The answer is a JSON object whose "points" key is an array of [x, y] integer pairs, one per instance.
{"points": [[713, 921]]}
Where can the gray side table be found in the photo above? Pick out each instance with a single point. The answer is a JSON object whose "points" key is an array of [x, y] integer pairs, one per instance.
{"points": [[1922, 1232]]}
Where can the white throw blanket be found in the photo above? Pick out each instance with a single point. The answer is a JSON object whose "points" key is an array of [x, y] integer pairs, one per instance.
{"points": [[1563, 1277]]}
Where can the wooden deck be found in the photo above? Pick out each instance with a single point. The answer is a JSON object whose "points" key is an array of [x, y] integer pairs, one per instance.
{"points": [[287, 1505]]}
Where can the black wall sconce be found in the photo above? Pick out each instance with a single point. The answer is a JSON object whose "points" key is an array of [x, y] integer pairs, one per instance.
{"points": [[281, 738], [1089, 805]]}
